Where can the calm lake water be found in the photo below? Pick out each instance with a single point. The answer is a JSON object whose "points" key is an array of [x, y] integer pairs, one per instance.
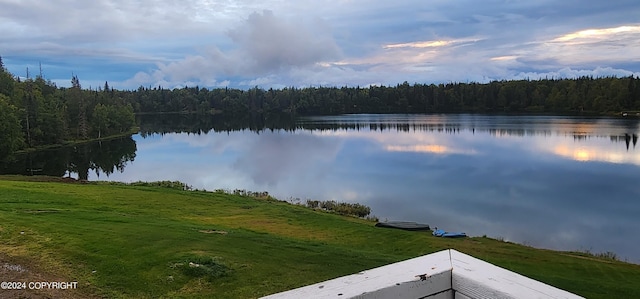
{"points": [[568, 183]]}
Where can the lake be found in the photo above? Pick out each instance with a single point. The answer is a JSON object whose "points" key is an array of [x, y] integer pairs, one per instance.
{"points": [[567, 183]]}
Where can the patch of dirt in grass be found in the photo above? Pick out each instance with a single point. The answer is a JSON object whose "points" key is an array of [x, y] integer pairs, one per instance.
{"points": [[28, 274]]}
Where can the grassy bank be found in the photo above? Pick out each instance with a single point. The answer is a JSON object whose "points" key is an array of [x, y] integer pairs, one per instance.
{"points": [[138, 242]]}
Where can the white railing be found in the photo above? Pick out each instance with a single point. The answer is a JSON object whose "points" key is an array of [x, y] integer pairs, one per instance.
{"points": [[446, 274]]}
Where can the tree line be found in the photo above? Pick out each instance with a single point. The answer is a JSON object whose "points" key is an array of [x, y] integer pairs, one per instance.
{"points": [[35, 112], [588, 95]]}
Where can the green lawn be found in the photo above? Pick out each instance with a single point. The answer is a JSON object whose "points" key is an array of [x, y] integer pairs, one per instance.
{"points": [[137, 242]]}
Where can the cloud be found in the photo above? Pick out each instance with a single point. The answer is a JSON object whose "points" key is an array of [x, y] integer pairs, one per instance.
{"points": [[263, 44], [424, 44], [592, 46], [272, 43], [597, 33], [109, 20], [484, 58]]}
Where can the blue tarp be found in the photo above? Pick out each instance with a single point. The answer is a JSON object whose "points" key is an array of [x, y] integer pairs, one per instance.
{"points": [[445, 234]]}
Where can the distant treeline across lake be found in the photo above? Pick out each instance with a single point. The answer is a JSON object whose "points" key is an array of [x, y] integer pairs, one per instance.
{"points": [[35, 112], [558, 96]]}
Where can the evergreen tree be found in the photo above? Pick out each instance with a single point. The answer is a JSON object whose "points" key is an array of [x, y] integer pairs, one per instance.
{"points": [[6, 80], [10, 131], [77, 99]]}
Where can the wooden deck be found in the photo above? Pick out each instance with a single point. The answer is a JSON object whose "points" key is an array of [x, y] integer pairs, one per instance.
{"points": [[446, 274]]}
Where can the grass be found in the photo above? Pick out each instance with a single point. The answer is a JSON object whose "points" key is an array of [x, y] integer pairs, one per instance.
{"points": [[121, 241]]}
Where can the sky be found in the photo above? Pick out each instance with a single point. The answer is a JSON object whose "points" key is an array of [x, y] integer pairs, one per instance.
{"points": [[281, 43]]}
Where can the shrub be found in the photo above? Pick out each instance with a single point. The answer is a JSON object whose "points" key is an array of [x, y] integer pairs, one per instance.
{"points": [[177, 185], [342, 208], [199, 266]]}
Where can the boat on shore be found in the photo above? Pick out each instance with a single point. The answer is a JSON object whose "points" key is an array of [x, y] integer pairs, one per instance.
{"points": [[405, 225]]}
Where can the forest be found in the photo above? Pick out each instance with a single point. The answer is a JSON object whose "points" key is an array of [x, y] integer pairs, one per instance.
{"points": [[585, 95], [35, 112]]}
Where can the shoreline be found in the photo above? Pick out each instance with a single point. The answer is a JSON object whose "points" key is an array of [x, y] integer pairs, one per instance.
{"points": [[75, 142]]}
